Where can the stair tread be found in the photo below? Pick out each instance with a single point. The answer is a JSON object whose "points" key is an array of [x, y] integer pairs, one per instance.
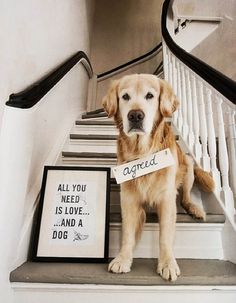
{"points": [[193, 272], [95, 122], [96, 111], [95, 115], [92, 137], [70, 154], [151, 217]]}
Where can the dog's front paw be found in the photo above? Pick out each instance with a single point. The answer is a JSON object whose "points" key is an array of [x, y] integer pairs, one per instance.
{"points": [[120, 265], [168, 269]]}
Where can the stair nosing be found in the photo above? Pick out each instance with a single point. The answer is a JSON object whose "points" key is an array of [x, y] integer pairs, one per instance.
{"points": [[92, 137], [95, 122], [92, 116]]}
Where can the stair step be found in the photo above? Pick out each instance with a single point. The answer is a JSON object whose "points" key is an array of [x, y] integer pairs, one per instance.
{"points": [[95, 127], [95, 122], [88, 155], [151, 217], [194, 272], [92, 137], [96, 111], [96, 115], [95, 138], [92, 162], [90, 146]]}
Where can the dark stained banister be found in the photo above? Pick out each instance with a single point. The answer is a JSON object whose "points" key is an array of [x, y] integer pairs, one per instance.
{"points": [[223, 84], [32, 95]]}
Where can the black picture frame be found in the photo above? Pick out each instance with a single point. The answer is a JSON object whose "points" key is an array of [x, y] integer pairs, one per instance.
{"points": [[70, 187]]}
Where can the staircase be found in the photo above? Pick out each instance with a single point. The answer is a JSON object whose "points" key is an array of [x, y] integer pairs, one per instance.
{"points": [[198, 245], [205, 127]]}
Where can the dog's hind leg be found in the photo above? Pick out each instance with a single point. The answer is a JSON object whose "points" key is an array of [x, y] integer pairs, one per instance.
{"points": [[191, 208], [133, 217]]}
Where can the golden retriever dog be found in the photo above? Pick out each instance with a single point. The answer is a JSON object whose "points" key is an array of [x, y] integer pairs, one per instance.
{"points": [[139, 104]]}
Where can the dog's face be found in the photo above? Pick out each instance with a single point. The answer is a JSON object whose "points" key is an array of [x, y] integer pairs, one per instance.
{"points": [[139, 101]]}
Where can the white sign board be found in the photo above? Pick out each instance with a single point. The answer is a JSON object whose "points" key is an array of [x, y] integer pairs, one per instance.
{"points": [[143, 166], [73, 214]]}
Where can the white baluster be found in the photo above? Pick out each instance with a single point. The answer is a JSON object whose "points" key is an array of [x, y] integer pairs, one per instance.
{"points": [[174, 87], [197, 149], [165, 60], [180, 117], [203, 128], [174, 75], [226, 193], [212, 138], [170, 68], [184, 104], [189, 111], [232, 148]]}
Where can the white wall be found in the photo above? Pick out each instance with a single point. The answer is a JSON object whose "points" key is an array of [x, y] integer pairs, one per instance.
{"points": [[124, 30], [36, 36], [216, 41]]}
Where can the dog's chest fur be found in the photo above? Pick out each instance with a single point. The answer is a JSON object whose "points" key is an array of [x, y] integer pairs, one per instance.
{"points": [[149, 188]]}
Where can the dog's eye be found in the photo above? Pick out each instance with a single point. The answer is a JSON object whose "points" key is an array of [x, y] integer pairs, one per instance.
{"points": [[126, 97], [149, 96]]}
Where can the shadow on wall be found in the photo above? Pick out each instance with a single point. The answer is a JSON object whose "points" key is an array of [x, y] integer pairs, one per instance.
{"points": [[123, 30]]}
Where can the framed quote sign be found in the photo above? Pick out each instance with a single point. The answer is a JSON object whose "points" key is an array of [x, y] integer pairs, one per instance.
{"points": [[73, 215]]}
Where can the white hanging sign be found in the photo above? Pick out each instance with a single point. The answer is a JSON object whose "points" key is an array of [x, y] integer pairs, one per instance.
{"points": [[143, 166]]}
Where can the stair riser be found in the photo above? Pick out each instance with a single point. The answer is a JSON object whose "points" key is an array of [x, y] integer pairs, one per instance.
{"points": [[88, 162], [95, 146], [95, 130], [192, 240]]}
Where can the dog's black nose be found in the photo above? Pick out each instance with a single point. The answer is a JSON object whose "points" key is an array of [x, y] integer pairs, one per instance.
{"points": [[136, 116]]}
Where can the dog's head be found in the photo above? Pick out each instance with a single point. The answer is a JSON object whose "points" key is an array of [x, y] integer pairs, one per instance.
{"points": [[139, 101]]}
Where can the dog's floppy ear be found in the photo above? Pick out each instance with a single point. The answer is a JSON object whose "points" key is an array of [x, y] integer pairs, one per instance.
{"points": [[110, 101], [168, 101]]}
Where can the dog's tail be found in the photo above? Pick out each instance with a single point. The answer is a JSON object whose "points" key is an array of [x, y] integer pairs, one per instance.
{"points": [[204, 179]]}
